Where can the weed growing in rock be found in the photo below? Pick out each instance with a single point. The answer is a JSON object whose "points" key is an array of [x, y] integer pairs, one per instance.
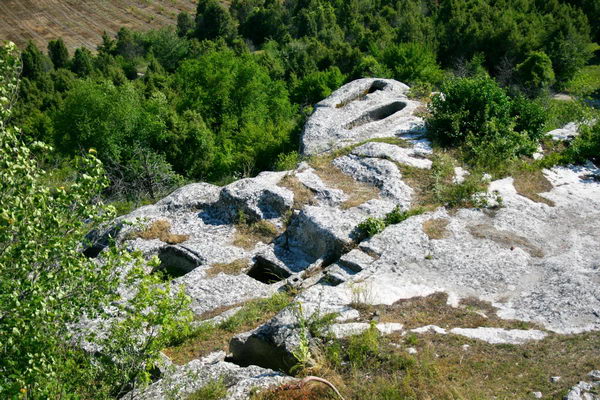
{"points": [[398, 215], [302, 352], [214, 390], [372, 226]]}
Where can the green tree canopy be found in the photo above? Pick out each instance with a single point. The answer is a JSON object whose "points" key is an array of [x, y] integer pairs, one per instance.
{"points": [[58, 53], [48, 287], [249, 114]]}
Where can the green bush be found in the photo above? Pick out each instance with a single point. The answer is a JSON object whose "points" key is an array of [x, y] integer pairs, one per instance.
{"points": [[412, 62], [478, 115], [586, 146], [536, 72], [372, 226], [287, 161], [317, 85]]}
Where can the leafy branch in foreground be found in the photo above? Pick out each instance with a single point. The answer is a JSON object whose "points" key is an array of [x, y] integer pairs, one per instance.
{"points": [[48, 287]]}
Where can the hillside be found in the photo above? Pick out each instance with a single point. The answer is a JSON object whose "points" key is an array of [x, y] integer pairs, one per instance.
{"points": [[81, 22], [272, 199], [353, 238]]}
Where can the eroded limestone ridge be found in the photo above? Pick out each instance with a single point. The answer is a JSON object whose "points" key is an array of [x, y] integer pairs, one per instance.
{"points": [[360, 110], [534, 261]]}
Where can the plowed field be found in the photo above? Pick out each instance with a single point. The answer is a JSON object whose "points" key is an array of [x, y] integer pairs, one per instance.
{"points": [[81, 22]]}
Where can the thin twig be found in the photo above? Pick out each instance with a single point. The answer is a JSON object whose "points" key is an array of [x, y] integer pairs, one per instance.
{"points": [[324, 381]]}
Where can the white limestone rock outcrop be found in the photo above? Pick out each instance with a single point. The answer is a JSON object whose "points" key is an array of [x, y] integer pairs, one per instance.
{"points": [[586, 390], [182, 381], [532, 261], [360, 110], [411, 156]]}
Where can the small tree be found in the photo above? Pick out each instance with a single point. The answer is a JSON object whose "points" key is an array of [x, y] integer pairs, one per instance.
{"points": [[58, 53], [536, 73], [214, 21], [185, 24], [412, 62], [82, 62], [34, 62]]}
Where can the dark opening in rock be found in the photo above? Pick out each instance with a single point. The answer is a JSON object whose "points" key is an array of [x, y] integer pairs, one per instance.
{"points": [[176, 261], [376, 115], [267, 272], [375, 86]]}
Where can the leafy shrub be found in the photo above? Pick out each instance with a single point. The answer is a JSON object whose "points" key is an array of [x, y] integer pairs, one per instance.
{"points": [[287, 161], [318, 85], [369, 67], [536, 72], [586, 146], [477, 114], [412, 62], [372, 226]]}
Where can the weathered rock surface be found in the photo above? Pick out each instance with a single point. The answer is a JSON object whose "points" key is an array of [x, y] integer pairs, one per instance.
{"points": [[500, 336], [360, 110], [413, 156], [380, 173], [183, 381], [257, 199], [355, 328], [567, 132], [490, 335], [532, 261], [586, 390]]}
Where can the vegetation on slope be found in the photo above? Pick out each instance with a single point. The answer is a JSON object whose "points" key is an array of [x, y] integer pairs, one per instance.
{"points": [[47, 285], [225, 94]]}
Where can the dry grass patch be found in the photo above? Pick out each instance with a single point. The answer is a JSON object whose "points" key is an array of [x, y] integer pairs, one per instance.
{"points": [[443, 369], [530, 184], [233, 268], [487, 371], [247, 235], [302, 194], [436, 228], [506, 239], [420, 180], [371, 367], [159, 229], [434, 310], [311, 391], [357, 192]]}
